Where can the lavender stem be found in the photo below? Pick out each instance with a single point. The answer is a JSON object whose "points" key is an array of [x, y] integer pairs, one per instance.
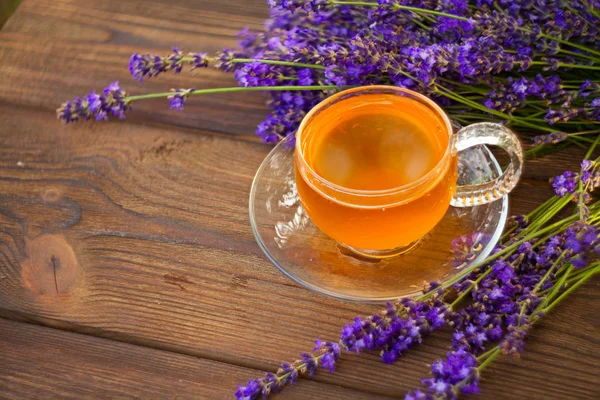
{"points": [[238, 89], [399, 7]]}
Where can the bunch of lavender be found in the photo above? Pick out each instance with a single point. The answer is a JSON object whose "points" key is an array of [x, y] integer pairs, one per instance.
{"points": [[491, 305], [532, 64]]}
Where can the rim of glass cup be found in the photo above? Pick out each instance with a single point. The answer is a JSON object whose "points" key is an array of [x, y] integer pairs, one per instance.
{"points": [[376, 89]]}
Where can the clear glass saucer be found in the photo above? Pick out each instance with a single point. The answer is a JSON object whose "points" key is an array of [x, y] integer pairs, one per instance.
{"points": [[300, 250]]}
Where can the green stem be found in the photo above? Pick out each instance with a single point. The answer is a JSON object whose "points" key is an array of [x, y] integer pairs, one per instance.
{"points": [[548, 214], [237, 89], [399, 7], [487, 354], [580, 188], [537, 114], [543, 208], [593, 147], [583, 139], [531, 216], [584, 133], [559, 299], [548, 148], [566, 42], [558, 286], [447, 93], [262, 61], [297, 368], [573, 53], [463, 121], [579, 273], [582, 122], [488, 360], [576, 66], [519, 121], [547, 274], [470, 288], [576, 140], [422, 25]]}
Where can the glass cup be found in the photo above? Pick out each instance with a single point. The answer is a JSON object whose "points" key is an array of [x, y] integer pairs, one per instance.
{"points": [[388, 222]]}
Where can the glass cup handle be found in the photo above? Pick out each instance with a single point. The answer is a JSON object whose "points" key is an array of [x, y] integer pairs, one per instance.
{"points": [[496, 135]]}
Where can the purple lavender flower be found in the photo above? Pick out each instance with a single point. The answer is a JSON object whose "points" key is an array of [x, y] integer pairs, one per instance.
{"points": [[465, 248], [149, 65], [398, 328], [563, 115], [582, 241], [564, 184], [589, 175], [287, 374], [511, 95], [503, 271], [334, 76], [457, 373], [505, 301], [201, 60], [257, 74], [589, 88], [308, 364], [330, 351], [178, 98], [253, 390], [520, 221], [113, 100], [552, 138], [293, 5], [225, 60], [471, 338], [305, 77], [587, 165], [419, 395], [513, 342]]}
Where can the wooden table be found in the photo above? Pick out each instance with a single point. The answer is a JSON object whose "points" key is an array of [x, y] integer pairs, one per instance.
{"points": [[127, 263]]}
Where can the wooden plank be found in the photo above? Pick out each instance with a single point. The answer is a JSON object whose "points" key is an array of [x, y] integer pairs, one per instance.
{"points": [[106, 210], [40, 362]]}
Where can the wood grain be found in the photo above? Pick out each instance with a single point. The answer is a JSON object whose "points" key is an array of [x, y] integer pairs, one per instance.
{"points": [[72, 366], [137, 231]]}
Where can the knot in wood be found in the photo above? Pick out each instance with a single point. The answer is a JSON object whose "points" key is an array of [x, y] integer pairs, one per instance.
{"points": [[50, 267]]}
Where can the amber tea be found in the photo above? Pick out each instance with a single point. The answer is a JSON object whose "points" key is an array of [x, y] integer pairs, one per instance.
{"points": [[370, 181]]}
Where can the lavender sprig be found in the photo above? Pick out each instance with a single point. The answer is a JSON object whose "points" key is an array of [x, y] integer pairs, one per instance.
{"points": [[143, 66], [328, 354], [116, 102]]}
